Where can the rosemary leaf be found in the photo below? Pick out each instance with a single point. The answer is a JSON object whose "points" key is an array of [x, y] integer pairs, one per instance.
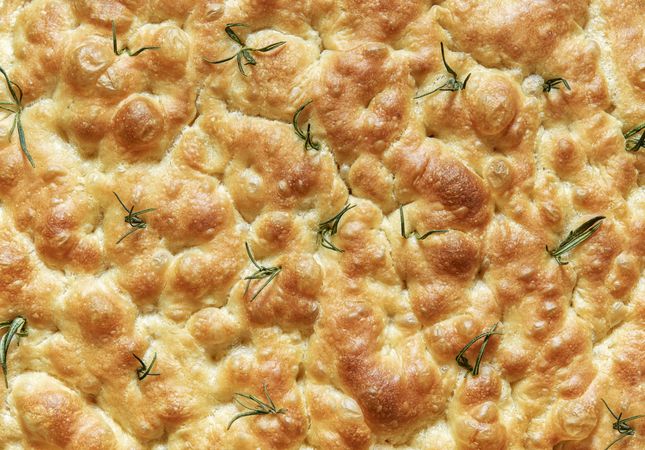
{"points": [[633, 144], [330, 227], [231, 33], [245, 52], [453, 84], [575, 238], [258, 407], [126, 49], [262, 272], [461, 358], [145, 370], [133, 219], [415, 233], [270, 47], [554, 84], [15, 107], [16, 327], [621, 425], [309, 143]]}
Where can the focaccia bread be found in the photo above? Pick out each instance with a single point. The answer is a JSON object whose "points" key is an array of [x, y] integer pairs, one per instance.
{"points": [[347, 333]]}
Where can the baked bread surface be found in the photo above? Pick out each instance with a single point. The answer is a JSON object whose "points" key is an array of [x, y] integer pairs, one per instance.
{"points": [[357, 346]]}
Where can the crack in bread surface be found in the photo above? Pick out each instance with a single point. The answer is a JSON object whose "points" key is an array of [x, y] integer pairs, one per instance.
{"points": [[357, 346]]}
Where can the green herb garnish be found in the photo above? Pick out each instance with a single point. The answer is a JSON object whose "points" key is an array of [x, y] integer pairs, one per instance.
{"points": [[554, 84], [415, 233], [15, 107], [259, 408], [329, 228], [621, 425], [125, 49], [245, 52], [262, 272], [309, 143], [133, 219], [463, 361], [575, 238], [145, 370], [633, 144], [453, 84], [17, 327]]}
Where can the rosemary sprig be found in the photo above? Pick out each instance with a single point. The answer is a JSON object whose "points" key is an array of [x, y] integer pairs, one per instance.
{"points": [[453, 84], [633, 144], [15, 107], [259, 408], [554, 84], [330, 227], [17, 327], [133, 219], [125, 49], [621, 425], [309, 143], [145, 370], [245, 52], [463, 361], [262, 272], [575, 238], [415, 233]]}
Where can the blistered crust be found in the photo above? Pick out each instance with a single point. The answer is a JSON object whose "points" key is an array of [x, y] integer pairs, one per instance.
{"points": [[52, 414], [625, 38], [357, 347], [363, 100]]}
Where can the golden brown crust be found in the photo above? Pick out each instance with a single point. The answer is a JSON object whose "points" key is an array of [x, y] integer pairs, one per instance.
{"points": [[357, 347]]}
